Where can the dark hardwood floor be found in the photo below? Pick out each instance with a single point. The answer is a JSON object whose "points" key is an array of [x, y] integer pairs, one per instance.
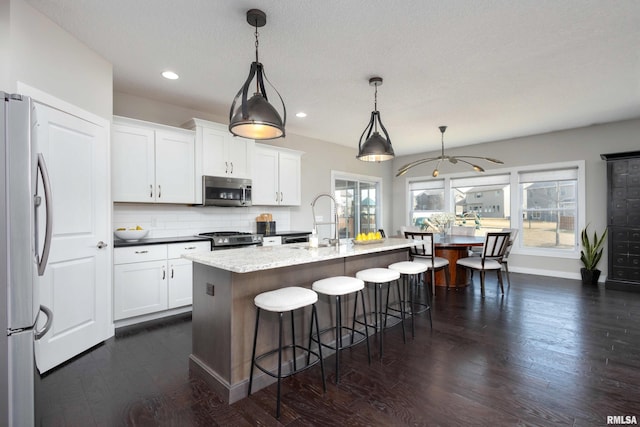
{"points": [[549, 352]]}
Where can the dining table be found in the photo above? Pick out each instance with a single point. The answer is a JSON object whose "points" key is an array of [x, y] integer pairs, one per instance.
{"points": [[454, 247]]}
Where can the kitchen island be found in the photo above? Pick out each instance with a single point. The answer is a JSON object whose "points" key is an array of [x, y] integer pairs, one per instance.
{"points": [[225, 283]]}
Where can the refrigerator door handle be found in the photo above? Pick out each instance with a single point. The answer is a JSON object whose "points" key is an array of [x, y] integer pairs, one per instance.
{"points": [[42, 260], [40, 333]]}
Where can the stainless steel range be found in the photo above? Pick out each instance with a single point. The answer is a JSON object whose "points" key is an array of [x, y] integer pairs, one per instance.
{"points": [[232, 239]]}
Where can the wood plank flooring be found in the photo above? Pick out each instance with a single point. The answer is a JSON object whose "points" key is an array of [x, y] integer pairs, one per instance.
{"points": [[549, 352]]}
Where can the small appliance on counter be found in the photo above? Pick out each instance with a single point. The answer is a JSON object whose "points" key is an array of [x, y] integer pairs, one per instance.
{"points": [[265, 224]]}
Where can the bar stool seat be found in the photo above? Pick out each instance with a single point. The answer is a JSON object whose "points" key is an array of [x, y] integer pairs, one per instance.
{"points": [[338, 286], [285, 299], [280, 301], [411, 271], [378, 277]]}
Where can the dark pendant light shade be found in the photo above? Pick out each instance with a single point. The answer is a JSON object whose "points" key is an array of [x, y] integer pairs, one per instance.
{"points": [[376, 148], [255, 117]]}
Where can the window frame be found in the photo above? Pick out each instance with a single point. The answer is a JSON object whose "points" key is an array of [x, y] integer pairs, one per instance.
{"points": [[348, 176], [516, 201]]}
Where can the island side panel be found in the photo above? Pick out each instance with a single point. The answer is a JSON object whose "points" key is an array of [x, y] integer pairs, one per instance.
{"points": [[246, 287], [211, 326]]}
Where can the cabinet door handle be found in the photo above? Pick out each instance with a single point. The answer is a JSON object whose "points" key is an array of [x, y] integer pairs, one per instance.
{"points": [[226, 167], [188, 248], [141, 252], [151, 190], [277, 196], [159, 191], [164, 273], [281, 197], [101, 244], [172, 271], [231, 167]]}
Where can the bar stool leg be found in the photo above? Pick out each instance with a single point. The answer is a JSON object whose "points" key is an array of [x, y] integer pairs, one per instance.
{"points": [[338, 336], [280, 336], [253, 353], [293, 337], [314, 315], [366, 325]]}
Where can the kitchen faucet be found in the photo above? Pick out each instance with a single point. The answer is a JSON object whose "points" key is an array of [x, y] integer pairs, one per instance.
{"points": [[336, 240]]}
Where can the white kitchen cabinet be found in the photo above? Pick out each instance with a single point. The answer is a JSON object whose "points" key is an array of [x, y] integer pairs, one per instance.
{"points": [[276, 176], [219, 153], [153, 278], [152, 163]]}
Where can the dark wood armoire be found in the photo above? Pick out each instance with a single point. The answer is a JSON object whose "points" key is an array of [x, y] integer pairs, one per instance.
{"points": [[623, 220]]}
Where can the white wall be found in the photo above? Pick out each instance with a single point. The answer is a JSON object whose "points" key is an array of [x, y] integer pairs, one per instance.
{"points": [[47, 58], [576, 144]]}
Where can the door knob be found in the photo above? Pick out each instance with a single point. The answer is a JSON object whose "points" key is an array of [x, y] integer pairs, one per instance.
{"points": [[102, 244]]}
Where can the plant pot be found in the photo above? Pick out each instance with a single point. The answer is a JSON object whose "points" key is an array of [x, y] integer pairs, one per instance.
{"points": [[589, 277]]}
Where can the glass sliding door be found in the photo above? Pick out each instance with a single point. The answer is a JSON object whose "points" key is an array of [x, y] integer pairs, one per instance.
{"points": [[358, 205]]}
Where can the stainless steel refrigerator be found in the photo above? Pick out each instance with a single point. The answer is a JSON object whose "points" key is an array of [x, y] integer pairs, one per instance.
{"points": [[25, 240]]}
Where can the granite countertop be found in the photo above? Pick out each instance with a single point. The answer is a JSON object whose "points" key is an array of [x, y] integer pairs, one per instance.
{"points": [[257, 258], [117, 243]]}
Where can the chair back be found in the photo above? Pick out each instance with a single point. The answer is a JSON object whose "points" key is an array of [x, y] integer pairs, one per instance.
{"points": [[412, 228], [512, 238], [426, 249], [495, 245]]}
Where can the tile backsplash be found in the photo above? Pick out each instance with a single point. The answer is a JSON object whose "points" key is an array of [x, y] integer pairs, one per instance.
{"points": [[178, 220]]}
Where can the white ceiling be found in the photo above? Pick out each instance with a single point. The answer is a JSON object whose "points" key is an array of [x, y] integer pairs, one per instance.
{"points": [[489, 69]]}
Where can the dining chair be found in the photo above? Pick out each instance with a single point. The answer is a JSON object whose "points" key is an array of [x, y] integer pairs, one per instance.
{"points": [[425, 253], [513, 234], [495, 245]]}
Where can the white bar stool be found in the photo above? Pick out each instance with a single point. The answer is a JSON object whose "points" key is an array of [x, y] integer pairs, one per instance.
{"points": [[411, 271], [338, 286], [281, 301], [379, 277]]}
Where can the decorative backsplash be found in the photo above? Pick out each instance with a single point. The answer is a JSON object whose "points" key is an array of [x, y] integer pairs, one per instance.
{"points": [[177, 220]]}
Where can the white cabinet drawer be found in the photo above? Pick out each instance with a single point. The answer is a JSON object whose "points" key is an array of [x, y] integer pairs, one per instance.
{"points": [[176, 250], [131, 254]]}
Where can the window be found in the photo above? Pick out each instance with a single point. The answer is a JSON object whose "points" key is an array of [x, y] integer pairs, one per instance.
{"points": [[549, 208], [486, 198], [359, 199], [544, 202], [427, 198]]}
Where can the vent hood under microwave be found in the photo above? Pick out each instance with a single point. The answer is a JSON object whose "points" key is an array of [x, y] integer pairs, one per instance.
{"points": [[224, 191]]}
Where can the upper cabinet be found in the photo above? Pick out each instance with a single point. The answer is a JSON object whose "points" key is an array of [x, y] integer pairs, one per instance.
{"points": [[276, 176], [219, 153], [152, 163]]}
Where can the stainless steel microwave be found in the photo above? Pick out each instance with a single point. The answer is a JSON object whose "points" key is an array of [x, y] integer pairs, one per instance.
{"points": [[223, 191]]}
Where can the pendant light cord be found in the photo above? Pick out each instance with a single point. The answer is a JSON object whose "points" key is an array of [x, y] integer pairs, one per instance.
{"points": [[375, 106], [256, 34]]}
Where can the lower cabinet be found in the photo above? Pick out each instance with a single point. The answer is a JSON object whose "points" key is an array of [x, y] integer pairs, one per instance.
{"points": [[152, 278]]}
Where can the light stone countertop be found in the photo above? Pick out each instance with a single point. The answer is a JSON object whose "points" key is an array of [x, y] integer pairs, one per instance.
{"points": [[256, 258]]}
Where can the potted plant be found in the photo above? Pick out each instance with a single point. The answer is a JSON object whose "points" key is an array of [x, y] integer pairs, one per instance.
{"points": [[590, 255]]}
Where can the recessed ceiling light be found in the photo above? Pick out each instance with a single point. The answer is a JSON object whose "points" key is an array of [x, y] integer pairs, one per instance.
{"points": [[301, 114], [170, 75]]}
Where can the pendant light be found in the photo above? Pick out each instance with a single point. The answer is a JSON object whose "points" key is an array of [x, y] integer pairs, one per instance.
{"points": [[256, 118], [451, 159], [376, 148]]}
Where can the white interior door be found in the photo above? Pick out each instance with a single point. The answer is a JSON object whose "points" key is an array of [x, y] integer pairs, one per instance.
{"points": [[76, 284]]}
